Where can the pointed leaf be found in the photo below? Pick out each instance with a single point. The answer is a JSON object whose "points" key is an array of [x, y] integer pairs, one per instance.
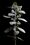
{"points": [[22, 19], [6, 16], [11, 14], [23, 12], [20, 38], [22, 30]]}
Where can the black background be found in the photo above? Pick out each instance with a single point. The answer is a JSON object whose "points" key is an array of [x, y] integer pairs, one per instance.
{"points": [[4, 22]]}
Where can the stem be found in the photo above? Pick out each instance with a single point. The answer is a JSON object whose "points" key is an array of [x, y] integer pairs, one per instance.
{"points": [[15, 30]]}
